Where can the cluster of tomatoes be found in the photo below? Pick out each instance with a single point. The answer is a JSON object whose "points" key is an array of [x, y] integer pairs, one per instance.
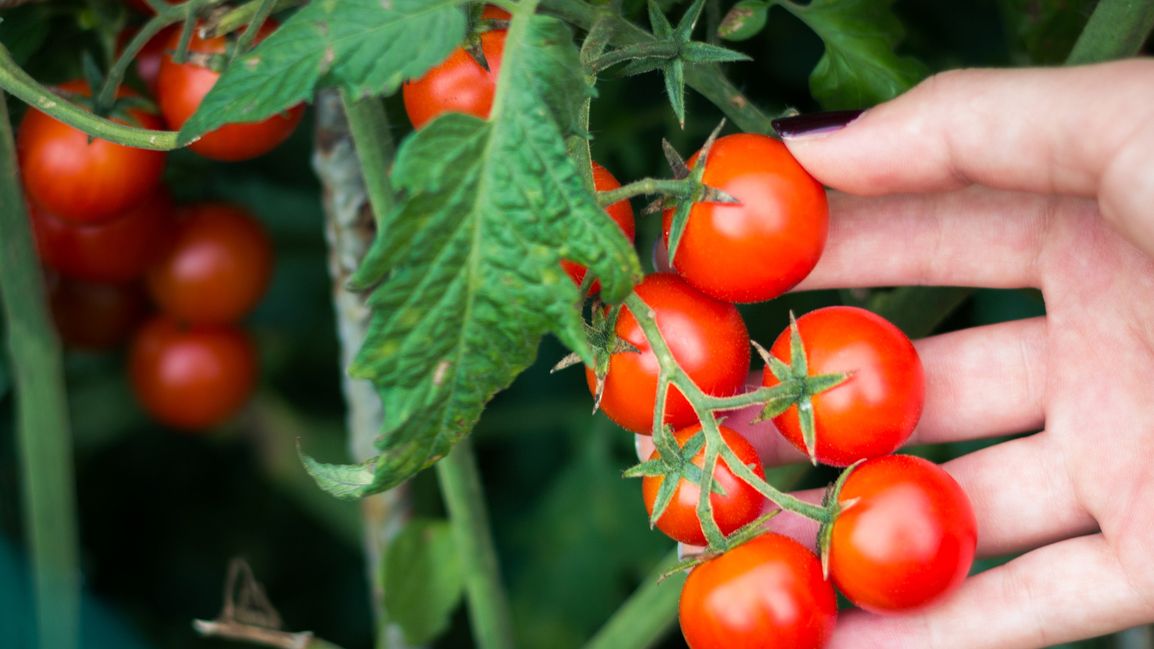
{"points": [[124, 262], [904, 533]]}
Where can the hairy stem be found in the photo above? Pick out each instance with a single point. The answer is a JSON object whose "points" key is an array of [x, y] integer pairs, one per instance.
{"points": [[42, 422], [646, 187]]}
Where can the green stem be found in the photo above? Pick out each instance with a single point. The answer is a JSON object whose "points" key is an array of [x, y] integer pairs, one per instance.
{"points": [[706, 79], [42, 422], [16, 81], [264, 9], [1116, 29], [241, 16], [646, 187], [649, 613], [488, 606], [655, 49], [369, 126], [704, 405]]}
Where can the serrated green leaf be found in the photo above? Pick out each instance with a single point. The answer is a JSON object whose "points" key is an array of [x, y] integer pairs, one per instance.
{"points": [[468, 265], [744, 21], [422, 578], [859, 67], [364, 46]]}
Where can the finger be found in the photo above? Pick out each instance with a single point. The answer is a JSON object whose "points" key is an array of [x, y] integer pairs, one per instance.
{"points": [[1067, 591], [974, 237], [983, 382], [1028, 130], [998, 372], [1022, 496]]}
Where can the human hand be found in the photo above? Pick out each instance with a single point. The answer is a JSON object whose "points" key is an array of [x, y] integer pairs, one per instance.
{"points": [[1011, 179]]}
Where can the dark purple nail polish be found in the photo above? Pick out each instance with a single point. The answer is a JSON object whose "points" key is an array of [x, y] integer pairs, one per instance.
{"points": [[814, 123]]}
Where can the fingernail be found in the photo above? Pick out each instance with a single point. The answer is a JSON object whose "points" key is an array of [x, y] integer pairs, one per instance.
{"points": [[814, 123]]}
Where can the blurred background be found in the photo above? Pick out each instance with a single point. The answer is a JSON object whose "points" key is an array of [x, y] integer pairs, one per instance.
{"points": [[161, 513]]}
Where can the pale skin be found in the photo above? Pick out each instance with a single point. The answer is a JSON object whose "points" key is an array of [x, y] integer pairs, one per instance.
{"points": [[1013, 179]]}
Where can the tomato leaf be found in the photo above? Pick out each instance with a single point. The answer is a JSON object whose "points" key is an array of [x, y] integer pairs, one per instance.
{"points": [[423, 580], [744, 21], [365, 46], [466, 270], [859, 67]]}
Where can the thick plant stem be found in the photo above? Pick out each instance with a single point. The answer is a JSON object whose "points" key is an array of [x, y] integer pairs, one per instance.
{"points": [[649, 613], [489, 613], [349, 230], [1116, 29], [42, 422]]}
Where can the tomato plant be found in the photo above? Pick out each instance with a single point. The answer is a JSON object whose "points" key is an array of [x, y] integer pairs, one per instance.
{"points": [[877, 408], [79, 178], [191, 377], [739, 503], [766, 243], [181, 87], [768, 592], [908, 539], [707, 337], [215, 267], [458, 84], [149, 57], [621, 213], [113, 251]]}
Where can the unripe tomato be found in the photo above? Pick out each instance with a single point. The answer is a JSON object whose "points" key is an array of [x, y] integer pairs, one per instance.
{"points": [[908, 539], [181, 88], [707, 338], [192, 377], [458, 84], [874, 411], [95, 316], [740, 505], [80, 180], [622, 214], [114, 251], [216, 266], [765, 594], [768, 242]]}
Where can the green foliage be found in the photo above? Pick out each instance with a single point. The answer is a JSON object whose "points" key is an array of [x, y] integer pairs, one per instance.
{"points": [[23, 30], [365, 46], [467, 270], [1042, 33], [744, 21], [422, 579], [859, 67]]}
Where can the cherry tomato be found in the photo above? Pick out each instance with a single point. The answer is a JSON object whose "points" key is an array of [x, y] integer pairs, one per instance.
{"points": [[191, 377], [908, 540], [96, 316], [621, 212], [181, 88], [216, 266], [740, 505], [762, 247], [494, 13], [458, 84], [876, 409], [113, 251], [765, 594], [708, 340], [79, 180]]}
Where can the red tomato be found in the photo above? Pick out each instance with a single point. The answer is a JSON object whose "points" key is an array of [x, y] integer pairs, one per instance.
{"points": [[740, 505], [908, 540], [764, 246], [494, 13], [622, 214], [768, 593], [181, 88], [192, 377], [113, 251], [82, 181], [876, 409], [458, 84], [708, 340], [96, 316], [216, 267]]}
